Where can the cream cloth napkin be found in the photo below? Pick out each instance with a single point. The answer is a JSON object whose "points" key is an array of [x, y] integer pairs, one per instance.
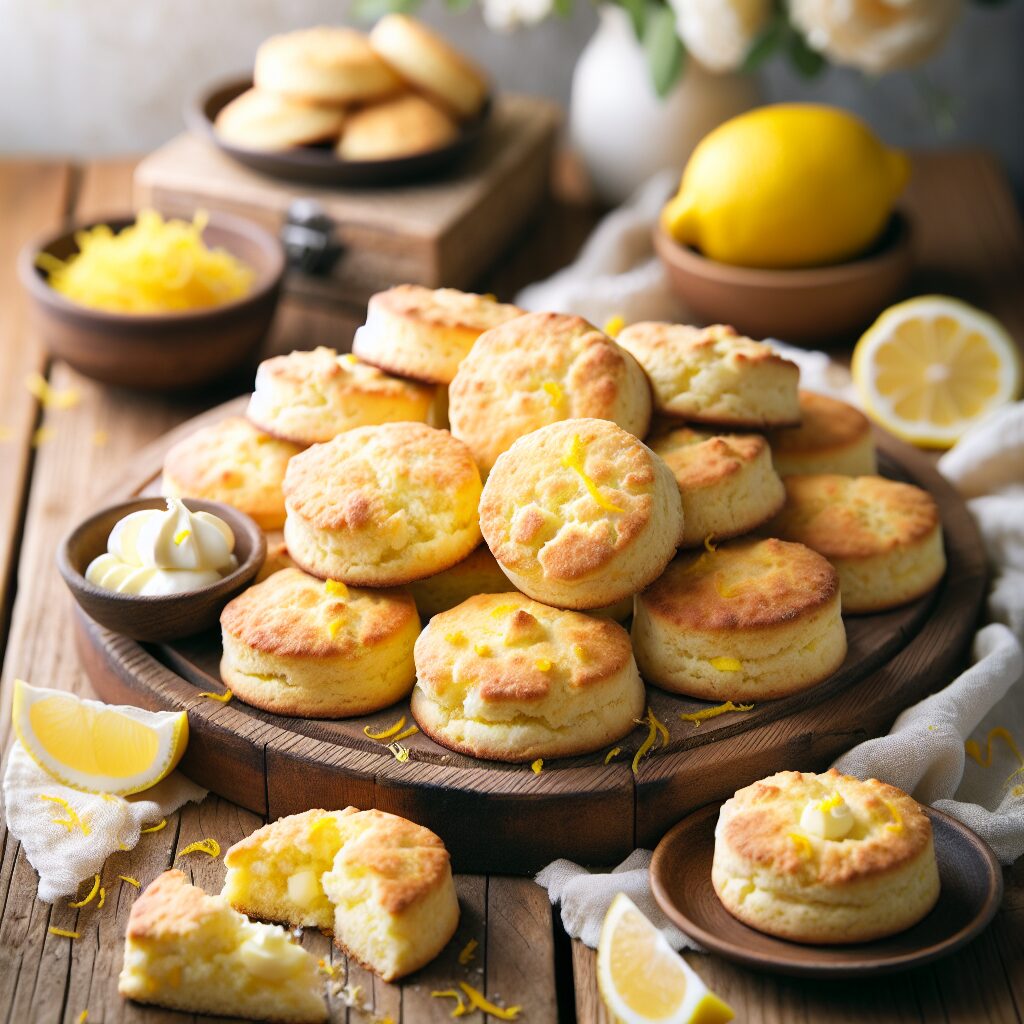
{"points": [[618, 273], [65, 856]]}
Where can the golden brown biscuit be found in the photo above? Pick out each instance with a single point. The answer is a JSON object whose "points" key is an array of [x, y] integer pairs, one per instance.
{"points": [[425, 333], [538, 369], [825, 858], [503, 677], [727, 482], [581, 514], [395, 128], [833, 437], [383, 505], [753, 620], [327, 65], [713, 375], [883, 537], [233, 462], [300, 646], [265, 120], [310, 397]]}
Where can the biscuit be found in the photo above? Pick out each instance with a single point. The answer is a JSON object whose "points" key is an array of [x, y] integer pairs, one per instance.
{"points": [[539, 369], [189, 951], [425, 333], [503, 677], [234, 462], [382, 884], [727, 482], [310, 397], [395, 128], [382, 505], [303, 647], [751, 621], [713, 375], [833, 437], [429, 64], [327, 65], [883, 537], [825, 858], [581, 514], [264, 120]]}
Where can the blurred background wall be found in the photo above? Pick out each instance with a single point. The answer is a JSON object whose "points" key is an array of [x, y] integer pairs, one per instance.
{"points": [[87, 77]]}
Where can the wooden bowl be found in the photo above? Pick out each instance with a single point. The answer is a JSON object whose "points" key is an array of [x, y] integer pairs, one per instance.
{"points": [[164, 617], [812, 306], [159, 351]]}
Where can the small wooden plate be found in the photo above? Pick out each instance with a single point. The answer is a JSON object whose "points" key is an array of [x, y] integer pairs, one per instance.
{"points": [[972, 888]]}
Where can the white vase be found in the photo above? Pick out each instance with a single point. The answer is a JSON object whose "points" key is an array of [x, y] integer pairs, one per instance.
{"points": [[618, 123]]}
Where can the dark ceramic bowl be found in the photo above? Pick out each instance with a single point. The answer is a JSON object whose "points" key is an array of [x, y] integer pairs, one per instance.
{"points": [[811, 306], [165, 617], [159, 351]]}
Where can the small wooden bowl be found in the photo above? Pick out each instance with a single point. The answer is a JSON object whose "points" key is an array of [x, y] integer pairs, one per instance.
{"points": [[159, 351], [813, 306], [166, 617]]}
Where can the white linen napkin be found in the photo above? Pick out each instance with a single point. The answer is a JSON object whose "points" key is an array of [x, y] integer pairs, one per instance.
{"points": [[618, 274], [66, 855]]}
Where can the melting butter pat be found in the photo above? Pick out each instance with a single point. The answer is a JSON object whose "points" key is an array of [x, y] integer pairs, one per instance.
{"points": [[269, 954], [304, 889], [830, 818]]}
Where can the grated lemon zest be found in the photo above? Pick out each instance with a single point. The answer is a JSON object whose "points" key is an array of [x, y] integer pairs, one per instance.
{"points": [[335, 588], [63, 932], [896, 825], [802, 843], [406, 733], [726, 664], [131, 881], [972, 749], [401, 753], [72, 821], [543, 664], [222, 697], [123, 846], [613, 325], [502, 609], [482, 650], [327, 968], [49, 397], [103, 898], [83, 1017], [92, 894], [334, 626], [614, 752], [385, 733], [468, 952], [181, 536], [554, 392], [478, 1001], [208, 846], [450, 993], [538, 766], [654, 728], [720, 709], [709, 543], [829, 803], [154, 828], [573, 459], [458, 638]]}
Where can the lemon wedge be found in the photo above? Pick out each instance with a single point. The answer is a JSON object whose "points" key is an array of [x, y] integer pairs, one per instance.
{"points": [[642, 980], [97, 747], [931, 367]]}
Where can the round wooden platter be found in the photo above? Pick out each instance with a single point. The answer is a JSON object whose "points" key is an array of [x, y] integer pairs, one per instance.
{"points": [[507, 818]]}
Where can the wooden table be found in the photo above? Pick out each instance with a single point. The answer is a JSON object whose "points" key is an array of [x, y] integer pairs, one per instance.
{"points": [[53, 468]]}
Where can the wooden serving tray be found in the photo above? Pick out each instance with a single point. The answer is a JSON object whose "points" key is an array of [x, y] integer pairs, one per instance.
{"points": [[505, 818]]}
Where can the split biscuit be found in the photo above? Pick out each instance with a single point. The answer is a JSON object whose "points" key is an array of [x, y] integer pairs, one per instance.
{"points": [[751, 621], [265, 120], [825, 859], [396, 128], [510, 679], [833, 437]]}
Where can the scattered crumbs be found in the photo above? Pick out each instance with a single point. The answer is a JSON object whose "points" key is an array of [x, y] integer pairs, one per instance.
{"points": [[383, 734], [63, 933], [154, 828], [654, 729], [450, 993], [538, 766], [92, 894], [613, 325], [719, 709], [613, 753], [468, 953], [709, 543], [222, 697], [41, 435], [208, 846], [100, 438]]}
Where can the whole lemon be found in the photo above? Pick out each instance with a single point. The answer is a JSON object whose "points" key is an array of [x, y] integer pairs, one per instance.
{"points": [[790, 185]]}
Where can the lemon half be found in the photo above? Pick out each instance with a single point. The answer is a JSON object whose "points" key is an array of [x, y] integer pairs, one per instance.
{"points": [[930, 368], [642, 980], [95, 747]]}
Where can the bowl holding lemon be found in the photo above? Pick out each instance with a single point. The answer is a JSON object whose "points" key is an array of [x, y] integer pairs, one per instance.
{"points": [[785, 225]]}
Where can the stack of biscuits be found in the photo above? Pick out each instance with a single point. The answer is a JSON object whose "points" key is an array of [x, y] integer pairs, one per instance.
{"points": [[476, 498], [399, 91]]}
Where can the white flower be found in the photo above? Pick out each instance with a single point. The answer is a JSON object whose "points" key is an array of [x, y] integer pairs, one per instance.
{"points": [[875, 35], [506, 15], [719, 33]]}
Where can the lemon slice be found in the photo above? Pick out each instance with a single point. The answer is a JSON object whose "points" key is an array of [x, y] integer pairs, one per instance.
{"points": [[931, 367], [97, 747], [643, 980]]}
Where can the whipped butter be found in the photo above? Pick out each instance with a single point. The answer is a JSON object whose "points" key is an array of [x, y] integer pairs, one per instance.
{"points": [[164, 551], [830, 818]]}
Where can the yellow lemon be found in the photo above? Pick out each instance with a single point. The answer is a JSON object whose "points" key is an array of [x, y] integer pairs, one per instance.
{"points": [[931, 367], [791, 185], [97, 747], [643, 980]]}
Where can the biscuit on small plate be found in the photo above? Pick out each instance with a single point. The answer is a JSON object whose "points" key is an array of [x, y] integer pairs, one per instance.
{"points": [[265, 120], [713, 375], [396, 128], [751, 621], [883, 537], [581, 514], [825, 859], [311, 648], [833, 437], [538, 369], [503, 677]]}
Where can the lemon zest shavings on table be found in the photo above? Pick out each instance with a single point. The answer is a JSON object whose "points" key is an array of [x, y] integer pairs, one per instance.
{"points": [[72, 821], [327, 968], [537, 766], [92, 894], [391, 730], [49, 396], [336, 588], [131, 881], [802, 843], [83, 1017], [401, 753], [181, 536], [554, 392], [406, 733], [478, 1001], [450, 993], [613, 325], [573, 459], [724, 664], [208, 846], [100, 438], [709, 544], [896, 825], [973, 750], [154, 828], [614, 752], [41, 435], [468, 952], [63, 932], [222, 697], [719, 709], [654, 729]]}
